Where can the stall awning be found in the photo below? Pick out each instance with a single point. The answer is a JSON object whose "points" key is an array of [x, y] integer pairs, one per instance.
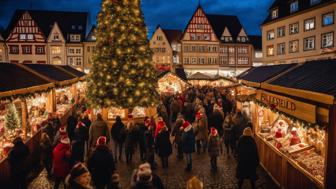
{"points": [[53, 73], [73, 71], [199, 76], [314, 80], [256, 75], [15, 80], [162, 74]]}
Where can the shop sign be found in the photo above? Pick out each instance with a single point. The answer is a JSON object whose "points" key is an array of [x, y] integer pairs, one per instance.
{"points": [[290, 106]]}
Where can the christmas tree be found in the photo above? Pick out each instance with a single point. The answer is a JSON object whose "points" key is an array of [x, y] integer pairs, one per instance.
{"points": [[12, 118], [122, 74]]}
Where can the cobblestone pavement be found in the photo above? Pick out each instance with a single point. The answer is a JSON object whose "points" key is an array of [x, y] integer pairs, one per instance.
{"points": [[175, 177]]}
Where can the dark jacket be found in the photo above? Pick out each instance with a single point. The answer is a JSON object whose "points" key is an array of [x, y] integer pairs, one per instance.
{"points": [[17, 158], [163, 145], [188, 141], [101, 165], [118, 132], [131, 140], [97, 129], [248, 158], [71, 126], [216, 120], [78, 143], [214, 146], [154, 183], [87, 122], [46, 149]]}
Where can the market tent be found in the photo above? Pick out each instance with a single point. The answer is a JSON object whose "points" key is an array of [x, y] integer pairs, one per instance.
{"points": [[199, 76], [73, 71], [220, 81], [256, 75], [169, 82], [16, 80], [52, 72]]}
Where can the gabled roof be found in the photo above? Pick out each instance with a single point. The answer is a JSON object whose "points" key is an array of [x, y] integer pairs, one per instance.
{"points": [[172, 35], [69, 22], [317, 76], [91, 33], [263, 73], [256, 41], [283, 7], [23, 78], [219, 22], [199, 76]]}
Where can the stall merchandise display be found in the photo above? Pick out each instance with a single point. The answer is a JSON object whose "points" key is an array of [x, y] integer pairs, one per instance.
{"points": [[81, 89], [139, 112], [64, 100], [37, 111], [113, 112]]}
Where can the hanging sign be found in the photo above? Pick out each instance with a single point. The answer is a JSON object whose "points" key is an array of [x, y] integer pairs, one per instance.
{"points": [[290, 106]]}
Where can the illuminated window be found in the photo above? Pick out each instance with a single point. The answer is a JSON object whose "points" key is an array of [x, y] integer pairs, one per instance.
{"points": [[309, 24], [274, 13], [294, 46], [294, 6], [327, 40], [270, 35], [281, 48], [55, 50], [309, 43], [270, 50]]}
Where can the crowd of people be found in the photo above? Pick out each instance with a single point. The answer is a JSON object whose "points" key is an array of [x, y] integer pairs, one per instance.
{"points": [[84, 154]]}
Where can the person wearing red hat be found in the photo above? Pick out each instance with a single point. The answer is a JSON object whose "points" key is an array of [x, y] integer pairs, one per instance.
{"points": [[160, 124], [130, 141], [101, 163], [97, 129], [61, 133], [177, 134], [163, 145], [61, 161], [188, 143], [201, 130], [213, 148], [81, 135]]}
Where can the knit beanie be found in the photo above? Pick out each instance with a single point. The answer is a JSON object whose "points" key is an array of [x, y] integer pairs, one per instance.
{"points": [[101, 140]]}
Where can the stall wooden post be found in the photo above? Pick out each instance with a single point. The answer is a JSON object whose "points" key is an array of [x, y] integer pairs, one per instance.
{"points": [[51, 101], [74, 92], [24, 116], [330, 181]]}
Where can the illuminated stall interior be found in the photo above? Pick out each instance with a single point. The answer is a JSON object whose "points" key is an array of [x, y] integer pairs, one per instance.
{"points": [[171, 83]]}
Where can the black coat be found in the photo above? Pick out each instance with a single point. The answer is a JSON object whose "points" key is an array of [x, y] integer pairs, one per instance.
{"points": [[248, 158], [216, 120], [141, 135], [188, 141], [118, 132], [87, 122], [131, 140], [155, 183], [17, 158], [71, 126], [163, 145], [101, 165]]}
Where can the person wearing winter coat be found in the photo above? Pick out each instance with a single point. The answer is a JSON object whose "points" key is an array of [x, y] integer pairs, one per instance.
{"points": [[201, 131], [81, 135], [71, 125], [17, 159], [174, 110], [61, 133], [97, 129], [248, 158], [229, 139], [150, 145], [163, 146], [46, 152], [141, 129], [130, 142], [213, 148], [177, 134], [101, 164], [188, 143], [160, 124], [79, 177], [61, 161], [87, 122], [143, 178], [115, 182], [118, 133]]}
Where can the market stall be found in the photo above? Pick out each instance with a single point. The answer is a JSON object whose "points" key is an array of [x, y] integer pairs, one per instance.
{"points": [[170, 83], [138, 113], [294, 125], [199, 79], [220, 81]]}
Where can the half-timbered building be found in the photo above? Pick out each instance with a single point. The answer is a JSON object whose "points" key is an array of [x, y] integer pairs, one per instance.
{"points": [[51, 37], [166, 47], [89, 48], [215, 44], [3, 50]]}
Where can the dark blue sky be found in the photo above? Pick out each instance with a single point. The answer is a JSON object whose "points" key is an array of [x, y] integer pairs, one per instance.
{"points": [[170, 14]]}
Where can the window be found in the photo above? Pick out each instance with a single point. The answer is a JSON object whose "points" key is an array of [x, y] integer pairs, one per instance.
{"points": [[159, 38], [242, 50], [309, 43], [26, 49], [294, 6], [23, 37], [327, 40], [80, 27], [56, 37], [270, 50], [274, 13], [206, 36], [309, 24], [13, 49], [78, 51], [281, 48], [193, 60], [193, 36], [243, 39], [270, 35], [78, 61], [294, 46], [55, 50], [75, 38], [281, 31], [328, 19], [70, 61], [258, 54], [30, 36], [73, 27], [294, 28], [57, 61], [242, 60], [231, 50], [232, 60], [186, 60], [314, 2], [71, 51], [39, 50]]}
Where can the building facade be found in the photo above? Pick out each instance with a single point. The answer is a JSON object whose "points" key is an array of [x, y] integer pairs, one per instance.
{"points": [[3, 50], [50, 37], [89, 49], [299, 31], [215, 44], [166, 48], [257, 55]]}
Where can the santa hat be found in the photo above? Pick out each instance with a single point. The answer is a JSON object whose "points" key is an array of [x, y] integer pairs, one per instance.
{"points": [[130, 116], [161, 123], [65, 140], [78, 170], [213, 131], [101, 140], [185, 124], [62, 130], [144, 173], [199, 115]]}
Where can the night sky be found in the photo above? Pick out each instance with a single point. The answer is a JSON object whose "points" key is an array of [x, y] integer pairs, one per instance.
{"points": [[170, 14]]}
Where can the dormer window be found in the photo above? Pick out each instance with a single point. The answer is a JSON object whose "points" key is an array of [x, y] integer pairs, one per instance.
{"points": [[274, 13], [294, 6], [30, 36], [56, 37], [314, 2], [73, 27], [23, 36], [243, 39], [80, 27], [74, 38]]}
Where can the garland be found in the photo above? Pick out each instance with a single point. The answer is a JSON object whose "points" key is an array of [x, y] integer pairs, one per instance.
{"points": [[304, 123], [25, 95]]}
